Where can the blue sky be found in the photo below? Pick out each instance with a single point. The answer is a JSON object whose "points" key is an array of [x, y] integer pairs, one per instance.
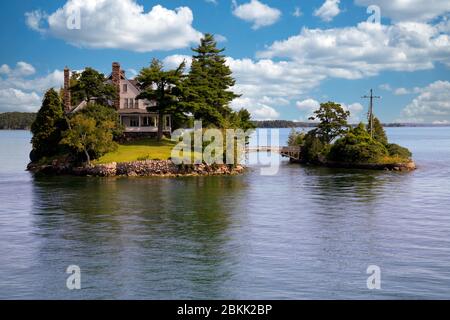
{"points": [[287, 56]]}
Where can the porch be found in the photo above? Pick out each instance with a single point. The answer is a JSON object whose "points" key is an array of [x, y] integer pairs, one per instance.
{"points": [[144, 123]]}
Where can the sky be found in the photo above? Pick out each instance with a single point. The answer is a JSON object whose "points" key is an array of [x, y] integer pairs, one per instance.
{"points": [[287, 56]]}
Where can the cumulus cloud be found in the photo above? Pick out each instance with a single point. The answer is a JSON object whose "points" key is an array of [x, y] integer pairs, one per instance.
{"points": [[328, 10], [118, 24], [260, 14], [258, 110], [17, 100], [366, 49], [409, 10], [432, 104], [20, 92], [173, 61]]}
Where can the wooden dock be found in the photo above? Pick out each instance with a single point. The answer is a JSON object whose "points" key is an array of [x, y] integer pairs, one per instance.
{"points": [[293, 153]]}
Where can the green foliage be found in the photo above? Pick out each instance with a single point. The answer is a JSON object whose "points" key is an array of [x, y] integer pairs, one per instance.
{"points": [[296, 138], [332, 121], [86, 135], [238, 120], [398, 151], [164, 87], [313, 149], [16, 120], [378, 131], [47, 127], [101, 113], [91, 84], [207, 91], [357, 147], [283, 124]]}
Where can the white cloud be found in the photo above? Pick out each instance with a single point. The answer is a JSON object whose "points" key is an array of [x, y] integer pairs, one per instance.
{"points": [[297, 12], [328, 10], [258, 110], [17, 100], [409, 10], [309, 105], [119, 24], [19, 92], [366, 49], [220, 38], [260, 14], [5, 69], [432, 104], [212, 1], [173, 61], [385, 87], [401, 91], [35, 19]]}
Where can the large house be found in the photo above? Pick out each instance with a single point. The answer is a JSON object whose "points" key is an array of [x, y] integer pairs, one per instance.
{"points": [[135, 114]]}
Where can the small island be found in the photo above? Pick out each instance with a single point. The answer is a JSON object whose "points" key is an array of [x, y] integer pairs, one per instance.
{"points": [[114, 126], [334, 143]]}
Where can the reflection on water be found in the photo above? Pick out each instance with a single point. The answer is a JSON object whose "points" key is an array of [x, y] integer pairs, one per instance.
{"points": [[305, 233]]}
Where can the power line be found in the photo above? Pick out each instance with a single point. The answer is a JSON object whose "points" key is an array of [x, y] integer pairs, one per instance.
{"points": [[370, 112]]}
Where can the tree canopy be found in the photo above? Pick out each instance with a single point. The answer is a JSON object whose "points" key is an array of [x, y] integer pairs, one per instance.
{"points": [[91, 84], [332, 121], [207, 87], [163, 87], [88, 136], [46, 129]]}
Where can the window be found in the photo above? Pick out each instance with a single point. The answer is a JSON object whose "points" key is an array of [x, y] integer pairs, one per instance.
{"points": [[125, 88], [134, 122], [131, 103], [167, 121], [136, 104], [125, 103], [149, 121]]}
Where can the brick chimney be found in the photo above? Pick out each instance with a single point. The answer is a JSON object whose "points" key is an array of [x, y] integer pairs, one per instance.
{"points": [[116, 82], [67, 98]]}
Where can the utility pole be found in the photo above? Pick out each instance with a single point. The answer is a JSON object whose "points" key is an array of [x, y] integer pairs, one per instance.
{"points": [[370, 113]]}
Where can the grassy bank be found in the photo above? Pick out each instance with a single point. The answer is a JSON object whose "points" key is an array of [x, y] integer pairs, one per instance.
{"points": [[139, 150]]}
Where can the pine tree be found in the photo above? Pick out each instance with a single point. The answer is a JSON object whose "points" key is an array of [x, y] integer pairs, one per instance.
{"points": [[207, 89], [47, 127], [378, 131]]}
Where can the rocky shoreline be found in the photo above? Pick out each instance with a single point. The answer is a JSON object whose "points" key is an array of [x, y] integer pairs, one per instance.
{"points": [[146, 168]]}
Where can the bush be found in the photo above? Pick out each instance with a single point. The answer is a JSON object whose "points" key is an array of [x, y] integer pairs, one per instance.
{"points": [[357, 147], [313, 148], [399, 151], [296, 138]]}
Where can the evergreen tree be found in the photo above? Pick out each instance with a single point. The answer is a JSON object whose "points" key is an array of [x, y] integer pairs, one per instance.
{"points": [[207, 89], [163, 87], [47, 127], [378, 131]]}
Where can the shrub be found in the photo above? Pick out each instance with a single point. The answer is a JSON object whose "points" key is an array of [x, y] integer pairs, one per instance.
{"points": [[313, 148], [399, 151], [357, 147]]}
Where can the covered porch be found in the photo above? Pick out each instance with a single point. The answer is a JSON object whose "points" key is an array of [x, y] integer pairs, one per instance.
{"points": [[144, 122]]}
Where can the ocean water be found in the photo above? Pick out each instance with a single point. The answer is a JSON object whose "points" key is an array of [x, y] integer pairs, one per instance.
{"points": [[304, 233]]}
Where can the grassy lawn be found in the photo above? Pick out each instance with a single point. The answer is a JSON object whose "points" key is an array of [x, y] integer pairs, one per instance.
{"points": [[139, 150]]}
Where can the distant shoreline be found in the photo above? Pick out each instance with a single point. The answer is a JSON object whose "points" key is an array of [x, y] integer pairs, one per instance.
{"points": [[272, 124]]}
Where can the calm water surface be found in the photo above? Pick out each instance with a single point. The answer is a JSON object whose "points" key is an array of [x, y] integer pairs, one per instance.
{"points": [[304, 233]]}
